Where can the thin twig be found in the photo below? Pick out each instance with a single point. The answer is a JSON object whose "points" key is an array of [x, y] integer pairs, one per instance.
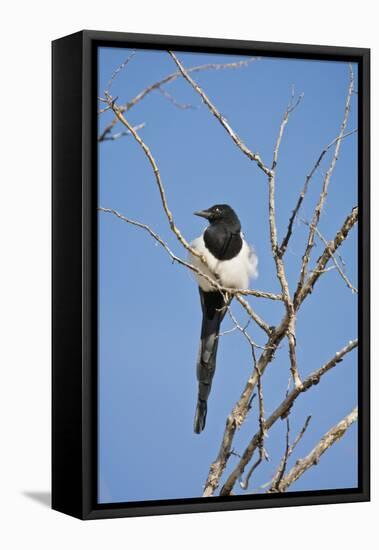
{"points": [[335, 261], [262, 430], [242, 329], [118, 70], [215, 112], [170, 78], [280, 271], [326, 270], [290, 108], [286, 238], [113, 137], [172, 100], [275, 482]]}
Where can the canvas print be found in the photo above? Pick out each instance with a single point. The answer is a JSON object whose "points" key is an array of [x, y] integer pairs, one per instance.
{"points": [[227, 275]]}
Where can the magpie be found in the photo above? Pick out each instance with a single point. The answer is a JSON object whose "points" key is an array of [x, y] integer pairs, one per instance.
{"points": [[232, 262]]}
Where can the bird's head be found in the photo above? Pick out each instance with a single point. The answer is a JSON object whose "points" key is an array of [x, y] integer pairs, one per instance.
{"points": [[220, 213]]}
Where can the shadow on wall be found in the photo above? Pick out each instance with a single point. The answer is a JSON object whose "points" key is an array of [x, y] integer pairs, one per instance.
{"points": [[42, 497]]}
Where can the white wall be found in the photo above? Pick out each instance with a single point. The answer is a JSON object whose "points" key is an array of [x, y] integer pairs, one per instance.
{"points": [[27, 30]]}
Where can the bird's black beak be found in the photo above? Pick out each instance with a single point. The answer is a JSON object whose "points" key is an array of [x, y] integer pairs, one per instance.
{"points": [[203, 214]]}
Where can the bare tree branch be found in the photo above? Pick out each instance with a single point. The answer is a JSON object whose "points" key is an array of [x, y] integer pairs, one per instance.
{"points": [[286, 238], [281, 411], [170, 78], [333, 245], [241, 409], [291, 107], [237, 140], [324, 192], [280, 269], [312, 459], [335, 261], [262, 427], [292, 349]]}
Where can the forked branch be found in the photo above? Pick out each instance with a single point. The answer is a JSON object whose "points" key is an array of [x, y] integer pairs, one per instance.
{"points": [[325, 186], [313, 458], [330, 249], [281, 411]]}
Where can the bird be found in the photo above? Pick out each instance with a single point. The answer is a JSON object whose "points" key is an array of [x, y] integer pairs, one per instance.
{"points": [[231, 262]]}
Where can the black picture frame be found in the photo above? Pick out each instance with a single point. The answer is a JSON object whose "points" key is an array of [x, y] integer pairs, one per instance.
{"points": [[74, 272]]}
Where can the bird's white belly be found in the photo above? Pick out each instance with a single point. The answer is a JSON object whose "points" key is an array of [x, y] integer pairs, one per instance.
{"points": [[234, 273]]}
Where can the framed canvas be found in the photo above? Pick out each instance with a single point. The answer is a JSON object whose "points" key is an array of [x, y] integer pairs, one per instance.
{"points": [[268, 144]]}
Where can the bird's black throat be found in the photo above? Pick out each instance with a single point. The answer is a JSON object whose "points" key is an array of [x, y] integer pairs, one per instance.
{"points": [[223, 241]]}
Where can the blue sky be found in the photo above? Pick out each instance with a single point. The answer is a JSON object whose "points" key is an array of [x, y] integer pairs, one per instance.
{"points": [[149, 310]]}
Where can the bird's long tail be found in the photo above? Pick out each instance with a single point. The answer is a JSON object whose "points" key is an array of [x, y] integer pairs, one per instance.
{"points": [[214, 309]]}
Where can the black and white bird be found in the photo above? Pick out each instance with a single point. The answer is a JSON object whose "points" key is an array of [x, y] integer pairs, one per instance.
{"points": [[232, 262]]}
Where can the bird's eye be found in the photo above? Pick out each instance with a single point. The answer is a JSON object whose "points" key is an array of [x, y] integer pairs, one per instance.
{"points": [[218, 210]]}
